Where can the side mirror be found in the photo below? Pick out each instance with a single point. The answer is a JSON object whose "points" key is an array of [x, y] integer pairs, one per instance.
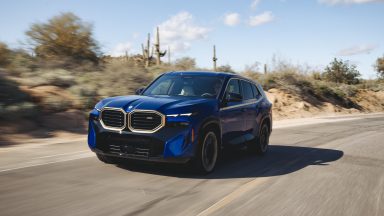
{"points": [[233, 97], [139, 91]]}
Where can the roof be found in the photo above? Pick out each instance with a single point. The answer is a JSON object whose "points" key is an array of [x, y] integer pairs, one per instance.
{"points": [[209, 73], [204, 73]]}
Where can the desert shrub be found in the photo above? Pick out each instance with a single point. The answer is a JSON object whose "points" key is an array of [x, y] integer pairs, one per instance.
{"points": [[225, 68], [56, 104], [348, 90], [55, 77], [156, 70], [10, 92], [58, 77], [65, 40], [22, 62], [340, 71], [316, 76], [86, 96], [185, 63], [373, 85], [5, 55], [117, 78], [253, 75], [379, 66], [328, 93], [18, 110]]}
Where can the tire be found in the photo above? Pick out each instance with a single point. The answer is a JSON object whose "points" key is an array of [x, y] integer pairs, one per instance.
{"points": [[207, 152], [106, 159], [261, 142]]}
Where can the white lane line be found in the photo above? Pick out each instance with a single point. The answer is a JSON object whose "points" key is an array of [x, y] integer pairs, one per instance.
{"points": [[233, 195], [40, 163], [379, 195], [303, 122], [243, 189], [36, 145], [55, 155]]}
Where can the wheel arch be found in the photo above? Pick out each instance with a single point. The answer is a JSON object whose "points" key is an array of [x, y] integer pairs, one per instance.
{"points": [[215, 124]]}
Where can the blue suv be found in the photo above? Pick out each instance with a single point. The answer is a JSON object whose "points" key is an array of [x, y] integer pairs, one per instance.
{"points": [[182, 117]]}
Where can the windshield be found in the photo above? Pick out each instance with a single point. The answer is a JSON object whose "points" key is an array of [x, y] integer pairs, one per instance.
{"points": [[188, 86]]}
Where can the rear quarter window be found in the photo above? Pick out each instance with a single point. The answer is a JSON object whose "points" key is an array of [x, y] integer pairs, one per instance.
{"points": [[256, 92], [247, 90]]}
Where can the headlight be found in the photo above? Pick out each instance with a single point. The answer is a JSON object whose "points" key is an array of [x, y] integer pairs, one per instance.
{"points": [[182, 114], [99, 106]]}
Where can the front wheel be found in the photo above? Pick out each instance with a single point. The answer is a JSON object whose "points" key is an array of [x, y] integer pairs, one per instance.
{"points": [[260, 144], [207, 153]]}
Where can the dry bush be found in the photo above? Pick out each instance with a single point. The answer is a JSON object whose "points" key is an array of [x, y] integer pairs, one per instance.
{"points": [[53, 77], [340, 71], [225, 68], [117, 78], [19, 110], [156, 70], [5, 55], [301, 82], [14, 102], [22, 62], [373, 85], [64, 41], [10, 92], [379, 66], [185, 63]]}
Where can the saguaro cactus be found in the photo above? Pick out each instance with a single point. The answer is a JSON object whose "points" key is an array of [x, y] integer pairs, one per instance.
{"points": [[265, 69], [169, 55], [147, 56], [214, 58], [159, 54]]}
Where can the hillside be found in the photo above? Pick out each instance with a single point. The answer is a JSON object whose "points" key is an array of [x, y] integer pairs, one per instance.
{"points": [[46, 102], [288, 105]]}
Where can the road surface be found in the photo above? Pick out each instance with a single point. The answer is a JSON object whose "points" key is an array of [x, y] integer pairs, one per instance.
{"points": [[327, 166]]}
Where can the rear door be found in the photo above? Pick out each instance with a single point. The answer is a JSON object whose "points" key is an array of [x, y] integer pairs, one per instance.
{"points": [[250, 109]]}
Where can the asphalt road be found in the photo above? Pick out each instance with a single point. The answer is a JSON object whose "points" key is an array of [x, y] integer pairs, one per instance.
{"points": [[335, 167]]}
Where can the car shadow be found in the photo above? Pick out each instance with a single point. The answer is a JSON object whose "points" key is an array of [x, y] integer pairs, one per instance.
{"points": [[279, 160]]}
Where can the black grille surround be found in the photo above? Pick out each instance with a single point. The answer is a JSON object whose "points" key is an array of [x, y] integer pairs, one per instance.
{"points": [[145, 121], [113, 119], [130, 145]]}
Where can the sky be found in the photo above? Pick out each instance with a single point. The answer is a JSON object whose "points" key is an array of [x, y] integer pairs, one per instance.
{"points": [[245, 32]]}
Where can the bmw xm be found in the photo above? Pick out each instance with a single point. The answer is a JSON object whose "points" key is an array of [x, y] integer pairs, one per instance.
{"points": [[182, 117]]}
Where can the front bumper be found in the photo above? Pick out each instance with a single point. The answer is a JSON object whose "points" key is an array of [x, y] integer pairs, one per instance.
{"points": [[175, 160], [169, 144]]}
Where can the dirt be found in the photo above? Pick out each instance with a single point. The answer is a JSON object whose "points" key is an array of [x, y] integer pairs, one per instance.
{"points": [[48, 94], [69, 125], [287, 105]]}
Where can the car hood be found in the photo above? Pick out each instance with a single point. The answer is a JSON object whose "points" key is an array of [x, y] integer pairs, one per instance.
{"points": [[163, 104]]}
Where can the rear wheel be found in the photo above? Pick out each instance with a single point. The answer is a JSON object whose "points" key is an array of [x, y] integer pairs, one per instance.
{"points": [[106, 159], [260, 144], [207, 153]]}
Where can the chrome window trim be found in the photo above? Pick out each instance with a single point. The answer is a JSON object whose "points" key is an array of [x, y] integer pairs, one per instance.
{"points": [[254, 101], [226, 86], [113, 128], [162, 124]]}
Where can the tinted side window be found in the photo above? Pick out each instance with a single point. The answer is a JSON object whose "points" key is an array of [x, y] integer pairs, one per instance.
{"points": [[233, 87], [247, 90], [256, 92]]}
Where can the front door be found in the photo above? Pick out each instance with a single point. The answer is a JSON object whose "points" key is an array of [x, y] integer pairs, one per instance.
{"points": [[232, 116]]}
